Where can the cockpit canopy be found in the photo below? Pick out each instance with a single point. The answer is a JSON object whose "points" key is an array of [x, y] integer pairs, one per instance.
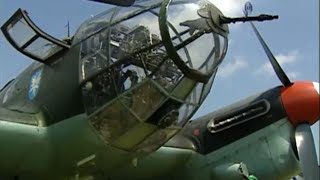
{"points": [[200, 51], [147, 67]]}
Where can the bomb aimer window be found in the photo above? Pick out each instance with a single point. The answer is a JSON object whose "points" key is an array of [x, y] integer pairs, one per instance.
{"points": [[28, 39]]}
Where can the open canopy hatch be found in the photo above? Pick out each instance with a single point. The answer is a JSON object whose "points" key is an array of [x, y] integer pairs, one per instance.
{"points": [[28, 39]]}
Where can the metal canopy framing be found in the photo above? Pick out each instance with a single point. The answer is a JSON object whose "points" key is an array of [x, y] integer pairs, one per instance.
{"points": [[28, 39]]}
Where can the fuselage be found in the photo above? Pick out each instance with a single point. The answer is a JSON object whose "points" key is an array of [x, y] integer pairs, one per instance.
{"points": [[72, 148], [116, 102], [58, 94]]}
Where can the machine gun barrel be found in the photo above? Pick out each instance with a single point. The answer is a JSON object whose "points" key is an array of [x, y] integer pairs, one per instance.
{"points": [[262, 17]]}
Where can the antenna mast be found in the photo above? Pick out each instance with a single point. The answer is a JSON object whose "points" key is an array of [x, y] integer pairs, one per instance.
{"points": [[68, 29]]}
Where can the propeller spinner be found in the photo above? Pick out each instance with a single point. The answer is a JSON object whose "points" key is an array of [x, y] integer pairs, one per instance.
{"points": [[301, 103]]}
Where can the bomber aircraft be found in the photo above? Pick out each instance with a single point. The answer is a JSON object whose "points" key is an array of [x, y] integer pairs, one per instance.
{"points": [[115, 100]]}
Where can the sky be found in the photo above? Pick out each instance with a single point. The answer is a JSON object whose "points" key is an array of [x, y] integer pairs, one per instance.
{"points": [[293, 38]]}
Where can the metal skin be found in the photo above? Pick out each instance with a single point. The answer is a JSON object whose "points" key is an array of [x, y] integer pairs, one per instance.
{"points": [[263, 144], [307, 151], [71, 148], [50, 137]]}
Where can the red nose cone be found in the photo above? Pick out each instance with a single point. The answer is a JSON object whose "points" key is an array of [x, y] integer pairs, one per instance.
{"points": [[301, 102]]}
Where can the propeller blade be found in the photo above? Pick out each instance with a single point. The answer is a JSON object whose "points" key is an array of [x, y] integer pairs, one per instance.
{"points": [[116, 2], [276, 66], [307, 152]]}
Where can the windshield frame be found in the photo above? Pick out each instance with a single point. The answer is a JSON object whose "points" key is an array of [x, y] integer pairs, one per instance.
{"points": [[38, 35], [166, 41]]}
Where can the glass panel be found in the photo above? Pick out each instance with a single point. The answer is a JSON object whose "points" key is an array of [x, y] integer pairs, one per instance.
{"points": [[101, 89], [144, 100], [166, 115], [199, 50], [184, 113], [126, 39], [90, 46], [93, 25], [133, 75], [183, 89], [133, 92], [141, 38], [28, 39], [223, 46], [42, 48], [20, 31], [168, 75], [219, 52], [132, 16], [196, 93], [207, 87], [94, 55], [113, 120]]}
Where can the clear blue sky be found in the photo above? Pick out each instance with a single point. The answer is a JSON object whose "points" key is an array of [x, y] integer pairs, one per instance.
{"points": [[294, 39]]}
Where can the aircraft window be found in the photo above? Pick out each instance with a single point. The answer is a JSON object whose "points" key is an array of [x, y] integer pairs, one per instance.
{"points": [[207, 87], [185, 112], [28, 39], [206, 51], [93, 25], [131, 46], [204, 62], [196, 93], [223, 46], [22, 32], [42, 48], [126, 71]]}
